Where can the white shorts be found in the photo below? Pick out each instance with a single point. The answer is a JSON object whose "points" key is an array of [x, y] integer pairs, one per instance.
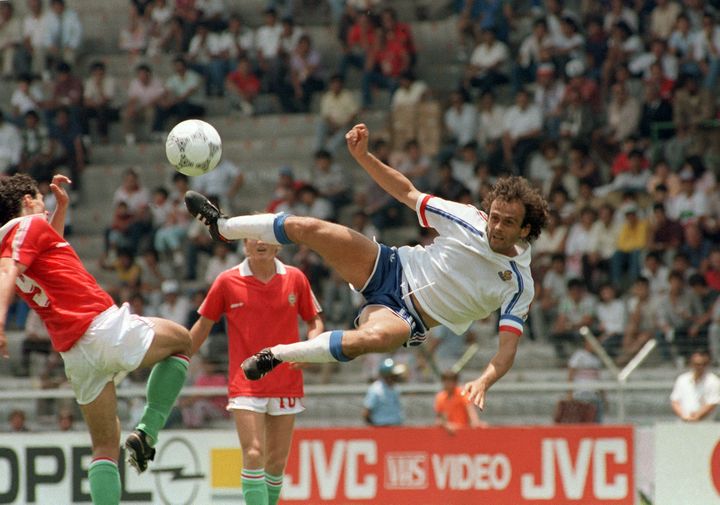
{"points": [[114, 345], [269, 406]]}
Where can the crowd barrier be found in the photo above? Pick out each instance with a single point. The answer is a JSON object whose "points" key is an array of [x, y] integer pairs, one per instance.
{"points": [[551, 465]]}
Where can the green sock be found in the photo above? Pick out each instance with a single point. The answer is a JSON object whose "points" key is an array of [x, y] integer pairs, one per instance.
{"points": [[254, 489], [274, 485], [104, 478], [164, 384]]}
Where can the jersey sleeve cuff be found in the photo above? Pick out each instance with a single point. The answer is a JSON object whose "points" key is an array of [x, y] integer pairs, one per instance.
{"points": [[420, 209], [511, 323]]}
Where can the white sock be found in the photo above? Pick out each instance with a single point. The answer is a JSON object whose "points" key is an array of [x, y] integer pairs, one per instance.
{"points": [[256, 227], [325, 348]]}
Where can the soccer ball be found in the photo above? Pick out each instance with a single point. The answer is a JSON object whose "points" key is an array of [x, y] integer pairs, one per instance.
{"points": [[193, 147]]}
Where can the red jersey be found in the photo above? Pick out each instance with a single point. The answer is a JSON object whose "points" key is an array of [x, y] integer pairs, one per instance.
{"points": [[261, 315], [55, 283]]}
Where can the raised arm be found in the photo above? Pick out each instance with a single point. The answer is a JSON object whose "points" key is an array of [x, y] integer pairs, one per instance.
{"points": [[393, 182], [498, 366], [57, 220]]}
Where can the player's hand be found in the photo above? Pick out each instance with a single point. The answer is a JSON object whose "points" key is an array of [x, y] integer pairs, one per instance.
{"points": [[475, 392], [56, 186], [357, 140], [3, 345]]}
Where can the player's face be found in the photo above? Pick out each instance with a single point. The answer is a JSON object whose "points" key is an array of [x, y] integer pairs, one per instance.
{"points": [[505, 226], [257, 250]]}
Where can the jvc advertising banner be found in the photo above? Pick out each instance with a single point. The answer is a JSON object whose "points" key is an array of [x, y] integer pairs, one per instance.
{"points": [[687, 464], [582, 465]]}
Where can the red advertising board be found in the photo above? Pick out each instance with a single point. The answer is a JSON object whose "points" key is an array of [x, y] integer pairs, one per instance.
{"points": [[561, 465]]}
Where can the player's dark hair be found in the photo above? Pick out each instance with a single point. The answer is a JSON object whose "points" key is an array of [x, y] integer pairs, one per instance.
{"points": [[12, 191], [513, 188]]}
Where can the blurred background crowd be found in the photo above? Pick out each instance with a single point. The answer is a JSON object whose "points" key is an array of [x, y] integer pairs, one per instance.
{"points": [[609, 107]]}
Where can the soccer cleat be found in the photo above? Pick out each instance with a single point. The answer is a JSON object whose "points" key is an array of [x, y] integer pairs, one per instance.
{"points": [[258, 365], [204, 211], [139, 451]]}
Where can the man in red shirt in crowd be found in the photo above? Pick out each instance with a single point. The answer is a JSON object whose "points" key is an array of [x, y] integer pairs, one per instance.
{"points": [[99, 342], [261, 299]]}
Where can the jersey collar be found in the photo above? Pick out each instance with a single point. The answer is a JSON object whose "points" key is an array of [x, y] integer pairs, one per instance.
{"points": [[244, 267]]}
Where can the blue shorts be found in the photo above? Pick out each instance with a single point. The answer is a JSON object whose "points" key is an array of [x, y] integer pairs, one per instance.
{"points": [[388, 287]]}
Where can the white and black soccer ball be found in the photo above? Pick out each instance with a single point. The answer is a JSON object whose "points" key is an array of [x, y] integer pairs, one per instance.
{"points": [[193, 147]]}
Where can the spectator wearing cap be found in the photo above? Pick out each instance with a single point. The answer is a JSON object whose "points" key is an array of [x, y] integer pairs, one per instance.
{"points": [[338, 111], [452, 409], [690, 204], [486, 67], [175, 305], [549, 93], [631, 242], [382, 405]]}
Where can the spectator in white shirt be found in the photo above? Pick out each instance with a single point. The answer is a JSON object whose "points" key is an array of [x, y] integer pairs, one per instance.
{"points": [[175, 306], [486, 69], [267, 45], [35, 25], [144, 93], [238, 41], [549, 94], [461, 120], [410, 91], [682, 44], [569, 43], [578, 242], [10, 145], [491, 126], [658, 53], [663, 17], [522, 130], [26, 97], [706, 50], [696, 393], [689, 204], [135, 36], [619, 12], [11, 37], [611, 319], [99, 99], [163, 33], [64, 33]]}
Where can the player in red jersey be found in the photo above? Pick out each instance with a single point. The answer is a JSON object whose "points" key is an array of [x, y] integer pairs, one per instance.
{"points": [[99, 342], [261, 299]]}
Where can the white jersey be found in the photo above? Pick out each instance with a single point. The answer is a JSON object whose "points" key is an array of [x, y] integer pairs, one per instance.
{"points": [[459, 279]]}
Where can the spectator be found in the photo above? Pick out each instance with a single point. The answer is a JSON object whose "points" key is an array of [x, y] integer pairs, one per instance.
{"points": [[67, 92], [414, 165], [11, 37], [464, 164], [16, 421], [692, 106], [549, 94], [491, 127], [163, 32], [611, 319], [124, 268], [522, 130], [224, 182], [238, 40], [289, 36], [584, 367], [203, 57], [171, 222], [552, 240], [26, 97], [386, 62], [382, 401], [655, 109], [175, 306], [706, 50], [267, 46], [361, 39], [681, 44], [486, 69], [632, 239], [696, 393], [198, 241], [66, 146], [452, 410], [37, 340], [553, 289], [677, 310], [690, 205], [656, 273], [181, 99], [310, 203], [34, 43], [461, 121], [579, 243], [144, 95], [338, 111], [243, 86], [695, 246], [134, 37], [711, 269], [410, 92], [136, 197], [663, 18], [98, 100], [223, 258], [643, 320], [568, 44], [697, 334], [198, 411], [331, 181], [534, 50], [666, 234], [63, 33], [36, 157], [305, 76], [576, 309], [658, 54], [65, 420], [623, 116], [10, 145]]}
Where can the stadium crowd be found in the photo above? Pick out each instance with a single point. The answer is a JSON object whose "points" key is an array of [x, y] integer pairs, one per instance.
{"points": [[608, 106]]}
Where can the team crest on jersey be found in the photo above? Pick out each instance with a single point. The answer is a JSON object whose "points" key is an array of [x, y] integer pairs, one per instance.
{"points": [[292, 299], [505, 275]]}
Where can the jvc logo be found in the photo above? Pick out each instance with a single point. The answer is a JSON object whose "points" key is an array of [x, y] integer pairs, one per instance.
{"points": [[573, 474], [406, 470]]}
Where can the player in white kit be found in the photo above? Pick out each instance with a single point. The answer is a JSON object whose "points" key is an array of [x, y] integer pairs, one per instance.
{"points": [[479, 263]]}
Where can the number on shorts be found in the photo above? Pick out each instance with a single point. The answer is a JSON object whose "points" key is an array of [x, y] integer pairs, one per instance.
{"points": [[29, 286]]}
